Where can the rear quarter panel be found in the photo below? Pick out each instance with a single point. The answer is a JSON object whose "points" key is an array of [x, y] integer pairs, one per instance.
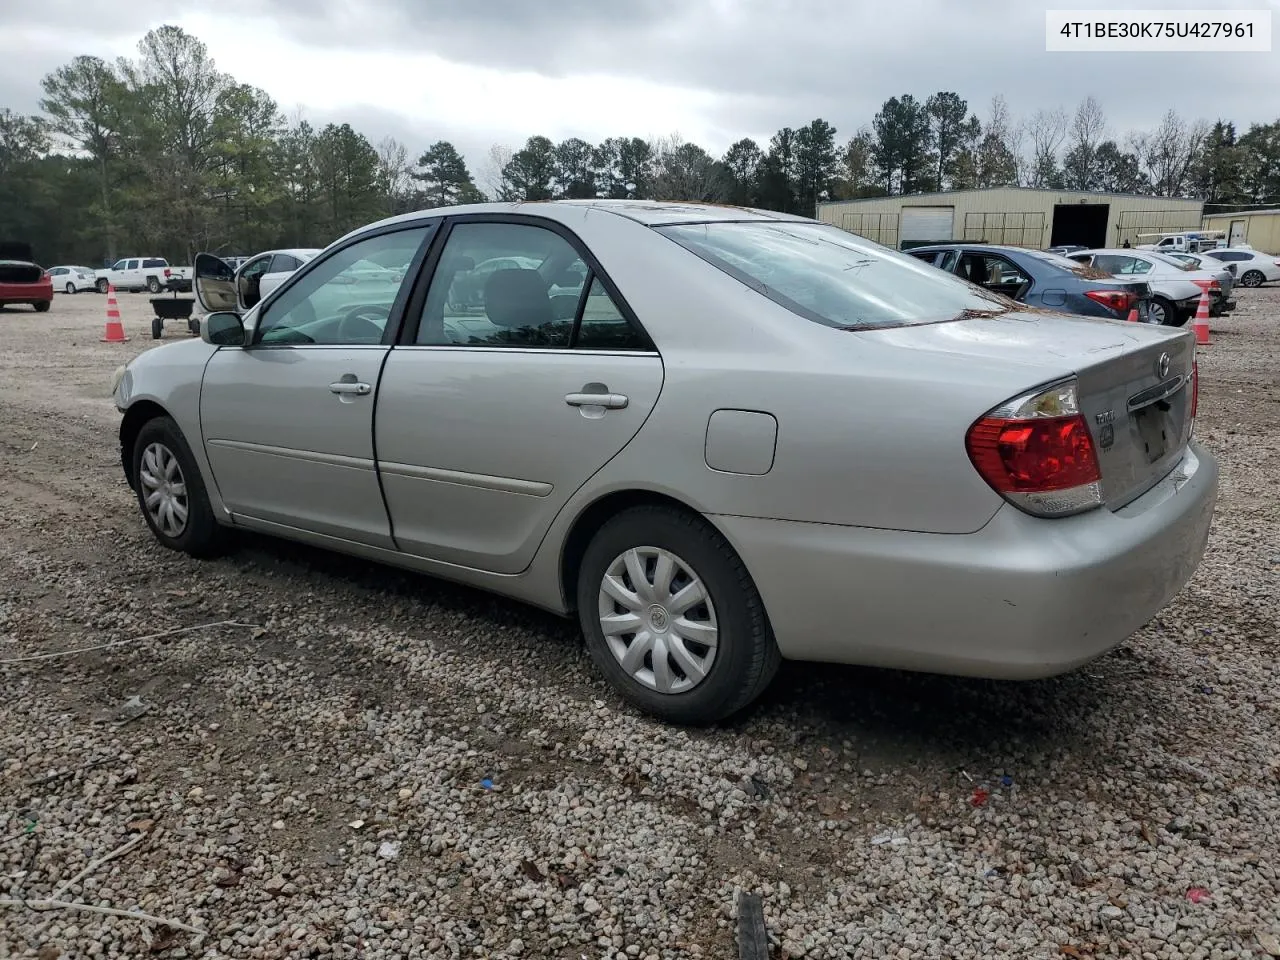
{"points": [[868, 434]]}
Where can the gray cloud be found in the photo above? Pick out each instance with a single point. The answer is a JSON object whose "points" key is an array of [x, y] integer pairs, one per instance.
{"points": [[768, 64]]}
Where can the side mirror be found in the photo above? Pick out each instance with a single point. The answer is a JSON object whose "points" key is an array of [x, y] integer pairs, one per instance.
{"points": [[222, 329]]}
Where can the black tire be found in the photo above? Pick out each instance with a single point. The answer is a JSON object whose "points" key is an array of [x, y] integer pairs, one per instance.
{"points": [[1169, 310], [1252, 278], [153, 284], [71, 288], [201, 535], [157, 328], [42, 306], [746, 657], [102, 285]]}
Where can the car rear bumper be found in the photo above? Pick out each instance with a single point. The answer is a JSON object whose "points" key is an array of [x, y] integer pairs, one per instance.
{"points": [[1019, 599], [26, 292]]}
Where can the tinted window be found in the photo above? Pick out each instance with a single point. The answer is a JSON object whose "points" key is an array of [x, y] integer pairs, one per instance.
{"points": [[131, 265], [832, 277], [118, 265], [503, 285], [283, 263], [255, 268], [148, 264], [347, 298]]}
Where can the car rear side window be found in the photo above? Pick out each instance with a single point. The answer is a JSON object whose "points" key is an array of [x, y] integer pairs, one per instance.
{"points": [[832, 277]]}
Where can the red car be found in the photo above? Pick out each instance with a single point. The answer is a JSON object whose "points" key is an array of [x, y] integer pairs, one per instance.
{"points": [[21, 279]]}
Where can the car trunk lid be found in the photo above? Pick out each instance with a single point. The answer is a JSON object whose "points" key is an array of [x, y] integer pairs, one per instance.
{"points": [[1134, 381]]}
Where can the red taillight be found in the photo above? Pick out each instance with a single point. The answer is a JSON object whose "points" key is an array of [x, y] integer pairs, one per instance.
{"points": [[1036, 451], [167, 273], [1117, 300]]}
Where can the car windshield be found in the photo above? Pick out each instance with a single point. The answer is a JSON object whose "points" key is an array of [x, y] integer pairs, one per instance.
{"points": [[833, 277]]}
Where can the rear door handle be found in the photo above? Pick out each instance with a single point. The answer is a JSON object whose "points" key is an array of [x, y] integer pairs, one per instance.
{"points": [[345, 386], [610, 401]]}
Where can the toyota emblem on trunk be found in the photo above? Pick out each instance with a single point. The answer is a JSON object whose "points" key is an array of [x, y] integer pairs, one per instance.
{"points": [[1162, 366]]}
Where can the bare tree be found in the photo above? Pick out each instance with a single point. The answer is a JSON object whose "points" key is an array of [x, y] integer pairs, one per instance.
{"points": [[1168, 153], [1047, 129], [1088, 130], [493, 176], [394, 175], [684, 171]]}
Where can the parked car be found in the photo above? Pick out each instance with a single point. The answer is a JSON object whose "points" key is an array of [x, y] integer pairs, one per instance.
{"points": [[755, 437], [1253, 267], [1040, 279], [144, 273], [1175, 287], [73, 279], [22, 280], [241, 288], [1224, 273], [468, 286]]}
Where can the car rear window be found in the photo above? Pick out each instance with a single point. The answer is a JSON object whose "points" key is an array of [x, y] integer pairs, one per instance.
{"points": [[832, 277], [147, 264]]}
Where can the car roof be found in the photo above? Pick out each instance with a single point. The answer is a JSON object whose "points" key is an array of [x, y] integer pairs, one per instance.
{"points": [[652, 213], [991, 247]]}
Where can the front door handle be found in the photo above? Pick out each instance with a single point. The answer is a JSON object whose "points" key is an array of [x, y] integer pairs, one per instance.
{"points": [[610, 401], [349, 387]]}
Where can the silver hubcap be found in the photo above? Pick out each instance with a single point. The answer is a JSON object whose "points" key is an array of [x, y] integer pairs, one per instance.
{"points": [[1252, 279], [658, 620], [1155, 313], [164, 489]]}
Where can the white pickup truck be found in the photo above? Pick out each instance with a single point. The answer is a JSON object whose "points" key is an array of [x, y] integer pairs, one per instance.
{"points": [[1189, 242], [144, 273]]}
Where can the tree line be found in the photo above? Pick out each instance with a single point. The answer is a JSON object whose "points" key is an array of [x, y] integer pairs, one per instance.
{"points": [[165, 155]]}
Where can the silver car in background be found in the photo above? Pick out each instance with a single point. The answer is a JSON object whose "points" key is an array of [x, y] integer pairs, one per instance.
{"points": [[721, 437]]}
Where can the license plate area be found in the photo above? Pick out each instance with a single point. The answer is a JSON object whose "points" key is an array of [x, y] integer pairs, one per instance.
{"points": [[1154, 428]]}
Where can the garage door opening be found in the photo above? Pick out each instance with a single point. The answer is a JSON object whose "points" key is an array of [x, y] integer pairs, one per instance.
{"points": [[1080, 223], [924, 225]]}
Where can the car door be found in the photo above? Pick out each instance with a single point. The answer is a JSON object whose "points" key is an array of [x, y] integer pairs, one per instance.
{"points": [[489, 418], [281, 267], [287, 420], [132, 276], [248, 280]]}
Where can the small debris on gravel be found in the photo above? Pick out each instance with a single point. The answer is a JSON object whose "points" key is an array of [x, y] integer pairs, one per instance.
{"points": [[341, 710]]}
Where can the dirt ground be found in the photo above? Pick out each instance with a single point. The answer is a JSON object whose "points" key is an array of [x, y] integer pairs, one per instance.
{"points": [[360, 762]]}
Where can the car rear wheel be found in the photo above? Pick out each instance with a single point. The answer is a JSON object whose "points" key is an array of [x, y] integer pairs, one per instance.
{"points": [[1162, 311], [672, 618], [1252, 278], [42, 306], [71, 288], [171, 492], [153, 284], [102, 286]]}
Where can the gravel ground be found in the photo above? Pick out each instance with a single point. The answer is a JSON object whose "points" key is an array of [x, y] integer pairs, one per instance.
{"points": [[373, 764]]}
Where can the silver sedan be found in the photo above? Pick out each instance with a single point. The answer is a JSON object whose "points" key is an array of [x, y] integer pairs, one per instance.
{"points": [[719, 437]]}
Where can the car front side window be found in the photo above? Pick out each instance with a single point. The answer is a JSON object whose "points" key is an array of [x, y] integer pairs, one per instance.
{"points": [[347, 298]]}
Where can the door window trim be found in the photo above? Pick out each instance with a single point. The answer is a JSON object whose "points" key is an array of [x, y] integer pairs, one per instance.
{"points": [[412, 315], [397, 313]]}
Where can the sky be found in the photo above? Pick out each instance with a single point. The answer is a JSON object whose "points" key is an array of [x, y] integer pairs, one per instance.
{"points": [[480, 72]]}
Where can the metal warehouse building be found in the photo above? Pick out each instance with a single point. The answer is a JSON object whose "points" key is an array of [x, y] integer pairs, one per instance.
{"points": [[1258, 228], [1018, 216]]}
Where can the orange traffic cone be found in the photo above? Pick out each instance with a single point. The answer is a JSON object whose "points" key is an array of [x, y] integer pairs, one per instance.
{"points": [[115, 329], [1201, 322], [1133, 315]]}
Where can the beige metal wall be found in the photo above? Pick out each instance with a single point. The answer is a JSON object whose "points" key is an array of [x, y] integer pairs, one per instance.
{"points": [[1021, 218], [1262, 228]]}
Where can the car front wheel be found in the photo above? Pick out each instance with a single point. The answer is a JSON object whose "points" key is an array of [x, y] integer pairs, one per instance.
{"points": [[171, 492], [672, 618], [1252, 278]]}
